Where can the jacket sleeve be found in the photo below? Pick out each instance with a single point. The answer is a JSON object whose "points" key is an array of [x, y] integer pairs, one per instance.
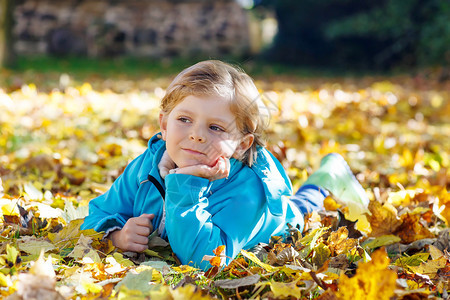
{"points": [[115, 207], [194, 232]]}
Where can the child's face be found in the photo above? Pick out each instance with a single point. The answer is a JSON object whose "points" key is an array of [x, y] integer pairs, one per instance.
{"points": [[199, 130]]}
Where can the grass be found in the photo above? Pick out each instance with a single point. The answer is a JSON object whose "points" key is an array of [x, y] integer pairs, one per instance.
{"points": [[135, 67]]}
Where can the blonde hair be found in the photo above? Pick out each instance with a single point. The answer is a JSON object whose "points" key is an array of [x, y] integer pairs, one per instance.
{"points": [[216, 78]]}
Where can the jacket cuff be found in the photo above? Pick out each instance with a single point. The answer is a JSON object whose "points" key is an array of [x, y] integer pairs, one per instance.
{"points": [[110, 223], [109, 231]]}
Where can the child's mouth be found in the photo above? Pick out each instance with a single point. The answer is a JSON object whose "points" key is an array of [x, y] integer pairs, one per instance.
{"points": [[194, 152]]}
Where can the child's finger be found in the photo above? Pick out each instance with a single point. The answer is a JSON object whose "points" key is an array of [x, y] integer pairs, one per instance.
{"points": [[198, 170], [221, 164], [140, 240], [143, 230], [148, 216], [145, 220]]}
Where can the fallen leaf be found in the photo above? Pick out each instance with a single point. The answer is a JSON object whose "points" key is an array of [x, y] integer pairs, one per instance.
{"points": [[34, 246], [338, 241], [381, 241], [282, 289], [373, 280], [383, 219], [236, 283], [255, 260], [140, 282], [411, 229]]}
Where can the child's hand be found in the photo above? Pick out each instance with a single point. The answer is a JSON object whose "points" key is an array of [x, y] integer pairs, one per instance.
{"points": [[134, 235], [165, 165], [220, 170]]}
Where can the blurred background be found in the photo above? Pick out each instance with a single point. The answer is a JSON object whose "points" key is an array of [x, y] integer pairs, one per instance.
{"points": [[343, 34], [82, 81]]}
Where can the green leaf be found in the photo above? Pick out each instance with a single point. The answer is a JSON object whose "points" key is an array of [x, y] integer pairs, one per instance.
{"points": [[156, 264], [310, 240], [123, 261], [381, 241], [414, 260], [34, 246], [320, 255], [140, 282]]}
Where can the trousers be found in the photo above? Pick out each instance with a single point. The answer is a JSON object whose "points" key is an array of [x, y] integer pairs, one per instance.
{"points": [[309, 198]]}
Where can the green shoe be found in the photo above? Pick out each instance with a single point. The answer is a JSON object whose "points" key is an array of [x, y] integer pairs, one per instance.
{"points": [[335, 176]]}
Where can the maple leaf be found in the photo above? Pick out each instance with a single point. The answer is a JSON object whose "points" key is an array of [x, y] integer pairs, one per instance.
{"points": [[373, 280], [411, 230], [383, 219], [70, 234]]}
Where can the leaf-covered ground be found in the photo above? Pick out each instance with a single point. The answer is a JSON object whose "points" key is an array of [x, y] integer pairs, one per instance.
{"points": [[63, 142]]}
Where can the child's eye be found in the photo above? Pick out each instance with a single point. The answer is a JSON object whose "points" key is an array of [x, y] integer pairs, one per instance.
{"points": [[216, 128], [183, 119]]}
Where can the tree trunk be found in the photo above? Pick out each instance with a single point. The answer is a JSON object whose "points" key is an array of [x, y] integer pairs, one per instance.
{"points": [[6, 23]]}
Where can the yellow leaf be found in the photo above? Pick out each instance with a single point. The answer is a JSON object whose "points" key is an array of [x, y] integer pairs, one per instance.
{"points": [[406, 159], [70, 234], [431, 267], [256, 260], [91, 287], [281, 289], [11, 254], [5, 280], [163, 293], [9, 207], [330, 204], [188, 292], [339, 243], [184, 269], [401, 198], [373, 280], [383, 219]]}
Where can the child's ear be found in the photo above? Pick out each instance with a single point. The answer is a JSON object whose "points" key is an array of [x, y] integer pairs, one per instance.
{"points": [[244, 145], [163, 124]]}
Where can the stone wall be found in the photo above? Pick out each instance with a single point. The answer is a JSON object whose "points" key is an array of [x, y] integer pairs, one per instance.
{"points": [[130, 27]]}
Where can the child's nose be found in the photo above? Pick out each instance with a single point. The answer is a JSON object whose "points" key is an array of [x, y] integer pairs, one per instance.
{"points": [[197, 135]]}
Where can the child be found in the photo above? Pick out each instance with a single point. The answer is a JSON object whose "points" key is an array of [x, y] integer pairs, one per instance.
{"points": [[206, 180]]}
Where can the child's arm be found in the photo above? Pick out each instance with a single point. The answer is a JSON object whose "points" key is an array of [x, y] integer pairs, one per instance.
{"points": [[194, 232], [112, 209]]}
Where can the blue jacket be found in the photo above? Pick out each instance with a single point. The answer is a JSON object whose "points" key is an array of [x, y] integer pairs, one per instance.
{"points": [[240, 211]]}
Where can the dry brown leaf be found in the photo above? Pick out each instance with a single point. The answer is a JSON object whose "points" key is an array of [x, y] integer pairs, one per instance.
{"points": [[383, 219]]}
